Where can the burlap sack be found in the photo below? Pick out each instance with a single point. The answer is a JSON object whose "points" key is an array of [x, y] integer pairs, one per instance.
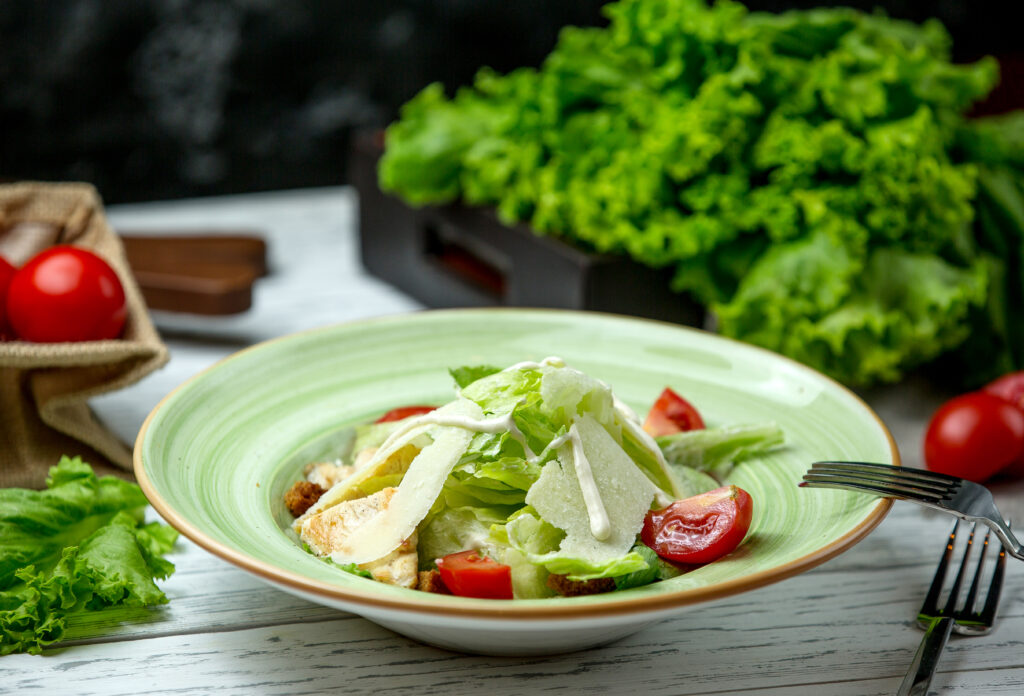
{"points": [[45, 387]]}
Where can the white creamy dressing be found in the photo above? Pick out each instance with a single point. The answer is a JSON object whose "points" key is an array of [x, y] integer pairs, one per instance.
{"points": [[600, 525], [480, 425], [550, 361]]}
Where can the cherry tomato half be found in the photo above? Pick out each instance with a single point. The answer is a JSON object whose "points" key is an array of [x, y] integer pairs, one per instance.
{"points": [[671, 414], [66, 293], [6, 273], [974, 436], [700, 529], [404, 412], [469, 574]]}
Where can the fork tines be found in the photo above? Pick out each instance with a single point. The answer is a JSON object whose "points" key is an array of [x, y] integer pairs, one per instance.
{"points": [[969, 619], [939, 621], [883, 479]]}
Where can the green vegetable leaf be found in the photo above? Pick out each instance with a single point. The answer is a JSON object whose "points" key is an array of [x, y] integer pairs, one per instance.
{"points": [[642, 577], [466, 375], [734, 148], [657, 569], [716, 450], [76, 546]]}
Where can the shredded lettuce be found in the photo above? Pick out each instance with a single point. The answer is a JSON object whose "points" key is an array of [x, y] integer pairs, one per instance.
{"points": [[79, 545]]}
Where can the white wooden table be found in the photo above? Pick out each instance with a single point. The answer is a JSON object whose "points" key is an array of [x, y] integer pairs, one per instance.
{"points": [[844, 628]]}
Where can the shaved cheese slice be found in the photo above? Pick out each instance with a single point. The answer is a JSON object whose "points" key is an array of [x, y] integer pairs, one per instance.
{"points": [[416, 493], [625, 492], [571, 391], [394, 460], [392, 457]]}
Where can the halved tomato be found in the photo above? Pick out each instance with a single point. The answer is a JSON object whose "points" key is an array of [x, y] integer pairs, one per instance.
{"points": [[404, 412], [700, 529], [671, 414]]}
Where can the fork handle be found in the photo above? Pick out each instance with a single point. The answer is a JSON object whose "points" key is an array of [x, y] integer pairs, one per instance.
{"points": [[923, 667]]}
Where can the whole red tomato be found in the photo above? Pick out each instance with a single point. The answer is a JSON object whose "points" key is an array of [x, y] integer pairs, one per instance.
{"points": [[1009, 387], [974, 436], [65, 293], [6, 273], [700, 529]]}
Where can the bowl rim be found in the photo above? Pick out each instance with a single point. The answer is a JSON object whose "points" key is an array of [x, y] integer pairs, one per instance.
{"points": [[470, 608]]}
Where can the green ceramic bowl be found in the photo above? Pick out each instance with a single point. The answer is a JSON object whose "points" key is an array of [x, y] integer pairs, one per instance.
{"points": [[216, 456]]}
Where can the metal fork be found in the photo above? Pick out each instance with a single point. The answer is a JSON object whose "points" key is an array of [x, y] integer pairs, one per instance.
{"points": [[939, 622], [965, 499]]}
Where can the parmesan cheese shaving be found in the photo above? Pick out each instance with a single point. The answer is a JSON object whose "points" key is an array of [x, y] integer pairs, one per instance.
{"points": [[625, 491], [416, 493]]}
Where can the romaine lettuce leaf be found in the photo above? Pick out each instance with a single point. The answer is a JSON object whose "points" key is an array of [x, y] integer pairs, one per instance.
{"points": [[467, 374], [657, 569], [715, 450], [371, 435], [539, 542], [460, 528]]}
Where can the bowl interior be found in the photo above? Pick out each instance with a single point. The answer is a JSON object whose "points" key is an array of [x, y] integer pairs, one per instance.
{"points": [[217, 455]]}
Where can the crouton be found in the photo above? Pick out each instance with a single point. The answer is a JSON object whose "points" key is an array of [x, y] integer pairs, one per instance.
{"points": [[577, 588], [430, 581], [302, 496]]}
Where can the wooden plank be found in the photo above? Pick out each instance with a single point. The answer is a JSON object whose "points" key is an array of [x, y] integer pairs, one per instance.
{"points": [[714, 652]]}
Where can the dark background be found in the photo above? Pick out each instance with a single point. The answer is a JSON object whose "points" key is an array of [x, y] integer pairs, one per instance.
{"points": [[152, 99]]}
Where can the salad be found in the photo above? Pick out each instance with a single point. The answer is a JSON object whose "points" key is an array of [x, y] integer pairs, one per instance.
{"points": [[535, 481]]}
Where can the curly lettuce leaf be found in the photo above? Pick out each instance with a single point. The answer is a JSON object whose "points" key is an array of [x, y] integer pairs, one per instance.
{"points": [[707, 139], [862, 324], [78, 545]]}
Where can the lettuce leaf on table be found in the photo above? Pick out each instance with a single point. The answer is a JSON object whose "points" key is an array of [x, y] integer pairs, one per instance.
{"points": [[996, 344], [81, 544]]}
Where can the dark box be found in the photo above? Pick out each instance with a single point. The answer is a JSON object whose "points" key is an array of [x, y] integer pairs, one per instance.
{"points": [[459, 256]]}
